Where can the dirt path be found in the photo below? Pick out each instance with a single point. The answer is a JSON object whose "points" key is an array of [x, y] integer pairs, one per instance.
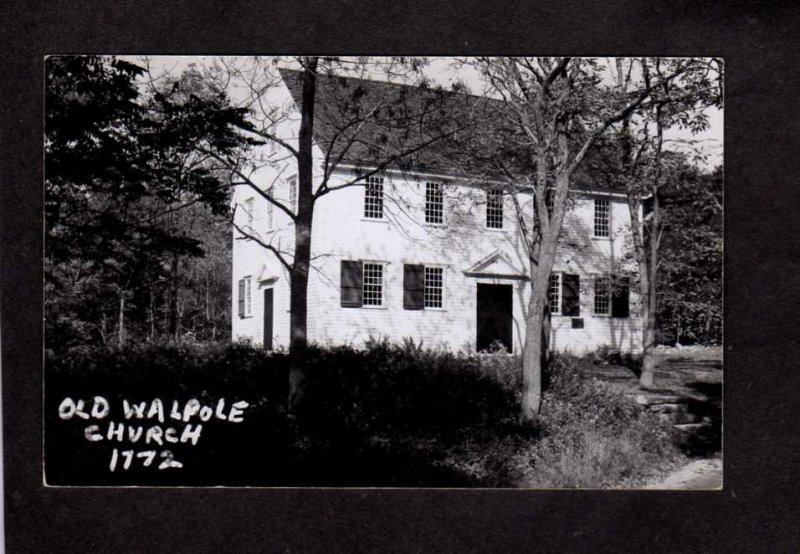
{"points": [[705, 474]]}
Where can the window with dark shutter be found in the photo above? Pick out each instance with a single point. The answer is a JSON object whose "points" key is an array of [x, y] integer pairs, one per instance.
{"points": [[570, 294], [351, 295], [413, 287], [241, 298], [620, 299]]}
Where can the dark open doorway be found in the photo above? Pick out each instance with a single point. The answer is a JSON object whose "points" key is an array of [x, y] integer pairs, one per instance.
{"points": [[494, 316], [268, 302]]}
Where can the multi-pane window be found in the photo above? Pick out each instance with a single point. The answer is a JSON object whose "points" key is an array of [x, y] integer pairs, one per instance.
{"points": [[245, 298], [293, 194], [494, 209], [372, 283], [373, 198], [601, 217], [272, 130], [248, 210], [434, 203], [554, 293], [270, 211], [602, 296], [434, 287]]}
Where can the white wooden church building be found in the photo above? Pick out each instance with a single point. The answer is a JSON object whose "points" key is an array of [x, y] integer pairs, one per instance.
{"points": [[422, 254]]}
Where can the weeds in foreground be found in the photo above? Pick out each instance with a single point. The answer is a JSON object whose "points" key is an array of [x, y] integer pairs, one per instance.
{"points": [[382, 416]]}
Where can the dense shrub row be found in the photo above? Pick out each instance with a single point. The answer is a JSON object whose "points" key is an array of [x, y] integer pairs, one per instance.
{"points": [[385, 415]]}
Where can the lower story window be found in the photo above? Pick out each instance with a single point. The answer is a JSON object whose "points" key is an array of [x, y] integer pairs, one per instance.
{"points": [[602, 296], [245, 297], [373, 284], [434, 287], [554, 293]]}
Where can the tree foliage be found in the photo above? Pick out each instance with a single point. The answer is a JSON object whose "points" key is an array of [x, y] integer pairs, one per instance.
{"points": [[121, 166], [690, 273]]}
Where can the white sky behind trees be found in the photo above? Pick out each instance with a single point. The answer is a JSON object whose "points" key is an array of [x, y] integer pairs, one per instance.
{"points": [[446, 71]]}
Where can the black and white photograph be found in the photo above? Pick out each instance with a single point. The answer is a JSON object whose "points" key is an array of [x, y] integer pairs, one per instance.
{"points": [[383, 272]]}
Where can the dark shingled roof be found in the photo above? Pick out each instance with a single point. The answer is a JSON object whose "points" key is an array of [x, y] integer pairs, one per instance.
{"points": [[409, 116]]}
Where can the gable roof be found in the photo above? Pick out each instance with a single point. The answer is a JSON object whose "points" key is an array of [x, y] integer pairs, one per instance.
{"points": [[408, 116]]}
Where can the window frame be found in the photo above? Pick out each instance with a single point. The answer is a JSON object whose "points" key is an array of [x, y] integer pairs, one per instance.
{"points": [[428, 202], [442, 287], [364, 284], [495, 201], [270, 223], [558, 285], [247, 312], [601, 220], [368, 208], [601, 281], [292, 181], [248, 207]]}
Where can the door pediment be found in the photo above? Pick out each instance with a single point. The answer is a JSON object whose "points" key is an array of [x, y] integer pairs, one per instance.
{"points": [[496, 265]]}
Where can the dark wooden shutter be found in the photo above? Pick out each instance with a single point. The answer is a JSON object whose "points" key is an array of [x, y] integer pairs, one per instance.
{"points": [[620, 299], [570, 294], [351, 275], [241, 297], [413, 287]]}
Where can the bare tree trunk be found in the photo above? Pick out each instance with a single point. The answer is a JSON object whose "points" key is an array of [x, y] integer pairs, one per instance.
{"points": [[537, 335], [647, 292], [298, 299]]}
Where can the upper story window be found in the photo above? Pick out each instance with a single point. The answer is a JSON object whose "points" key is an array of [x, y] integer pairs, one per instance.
{"points": [[245, 297], [270, 210], [434, 203], [434, 287], [248, 210], [602, 211], [272, 130], [372, 283], [293, 194], [373, 198], [494, 209], [602, 296], [554, 293]]}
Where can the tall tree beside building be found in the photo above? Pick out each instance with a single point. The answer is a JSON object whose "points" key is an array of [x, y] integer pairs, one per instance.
{"points": [[646, 165], [372, 128], [554, 111]]}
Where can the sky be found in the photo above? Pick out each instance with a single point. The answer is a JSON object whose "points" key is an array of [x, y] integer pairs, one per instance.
{"points": [[444, 71]]}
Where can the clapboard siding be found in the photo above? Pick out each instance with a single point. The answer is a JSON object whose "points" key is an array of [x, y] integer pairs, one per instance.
{"points": [[340, 232]]}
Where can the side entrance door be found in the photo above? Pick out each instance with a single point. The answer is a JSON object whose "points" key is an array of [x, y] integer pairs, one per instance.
{"points": [[268, 301], [494, 316]]}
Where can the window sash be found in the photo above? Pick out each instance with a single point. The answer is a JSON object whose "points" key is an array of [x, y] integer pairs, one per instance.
{"points": [[554, 293], [244, 301], [434, 203], [602, 296], [248, 210], [372, 284], [293, 194], [434, 287], [373, 198], [602, 217], [494, 209], [270, 211]]}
